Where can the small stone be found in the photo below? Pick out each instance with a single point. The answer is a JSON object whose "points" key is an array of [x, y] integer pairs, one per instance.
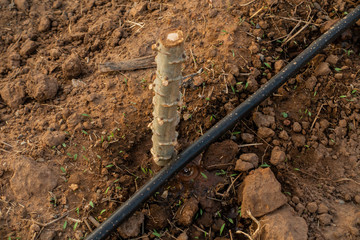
{"points": [[243, 166], [53, 138], [182, 236], [254, 48], [247, 137], [283, 135], [44, 24], [296, 127], [338, 76], [300, 208], [322, 69], [186, 213], [325, 219], [74, 187], [72, 67], [295, 200], [55, 53], [277, 156], [34, 228], [357, 199], [312, 207], [279, 64], [265, 132], [332, 59], [287, 122], [28, 48], [322, 208]]}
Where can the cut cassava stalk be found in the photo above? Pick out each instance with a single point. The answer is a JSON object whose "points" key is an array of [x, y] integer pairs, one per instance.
{"points": [[167, 98], [126, 65]]}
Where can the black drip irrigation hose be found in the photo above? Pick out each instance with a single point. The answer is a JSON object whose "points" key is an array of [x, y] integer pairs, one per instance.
{"points": [[146, 191]]}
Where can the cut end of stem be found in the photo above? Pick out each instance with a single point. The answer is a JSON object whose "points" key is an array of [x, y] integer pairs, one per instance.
{"points": [[172, 38]]}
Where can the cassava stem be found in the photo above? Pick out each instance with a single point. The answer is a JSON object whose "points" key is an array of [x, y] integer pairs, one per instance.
{"points": [[167, 98]]}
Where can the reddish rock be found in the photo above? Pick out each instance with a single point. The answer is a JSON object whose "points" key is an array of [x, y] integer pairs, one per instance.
{"points": [[72, 67], [279, 64], [283, 224], [251, 158], [262, 120], [260, 193], [243, 166], [53, 138], [265, 132]]}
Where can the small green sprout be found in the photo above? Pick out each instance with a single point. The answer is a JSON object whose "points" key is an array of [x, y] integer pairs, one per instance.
{"points": [[65, 225], [75, 225], [222, 229], [102, 211], [267, 65], [91, 204], [63, 169], [156, 234], [204, 175], [84, 132]]}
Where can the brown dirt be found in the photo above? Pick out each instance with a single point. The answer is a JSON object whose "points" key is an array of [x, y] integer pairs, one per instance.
{"points": [[75, 144]]}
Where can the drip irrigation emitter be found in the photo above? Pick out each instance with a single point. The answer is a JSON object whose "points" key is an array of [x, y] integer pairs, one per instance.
{"points": [[171, 168]]}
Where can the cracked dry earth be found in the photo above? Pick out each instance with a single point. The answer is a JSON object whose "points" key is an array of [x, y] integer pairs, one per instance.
{"points": [[74, 142]]}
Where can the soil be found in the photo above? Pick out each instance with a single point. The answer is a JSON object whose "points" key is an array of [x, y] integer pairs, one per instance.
{"points": [[74, 142]]}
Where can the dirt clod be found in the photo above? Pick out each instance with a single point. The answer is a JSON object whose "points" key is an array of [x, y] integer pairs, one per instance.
{"points": [[283, 224], [325, 219], [22, 4], [13, 93], [72, 67], [42, 87], [53, 138], [277, 156], [132, 227], [296, 127], [29, 173], [323, 69], [260, 193], [186, 212], [262, 120], [265, 132], [44, 24], [220, 154], [247, 137], [312, 207], [298, 140], [28, 48]]}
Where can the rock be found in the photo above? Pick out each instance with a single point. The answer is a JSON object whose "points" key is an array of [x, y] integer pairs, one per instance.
{"points": [[322, 69], [158, 216], [220, 154], [262, 120], [186, 213], [265, 132], [55, 53], [325, 219], [277, 156], [42, 87], [322, 208], [28, 48], [251, 158], [295, 199], [31, 179], [357, 199], [312, 207], [243, 166], [283, 224], [296, 127], [283, 135], [13, 93], [34, 228], [338, 76], [182, 236], [132, 227], [72, 67], [247, 137], [260, 193], [138, 9], [298, 140], [48, 235], [44, 24], [300, 208], [279, 64], [53, 138], [74, 187], [311, 83], [22, 4], [332, 59]]}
